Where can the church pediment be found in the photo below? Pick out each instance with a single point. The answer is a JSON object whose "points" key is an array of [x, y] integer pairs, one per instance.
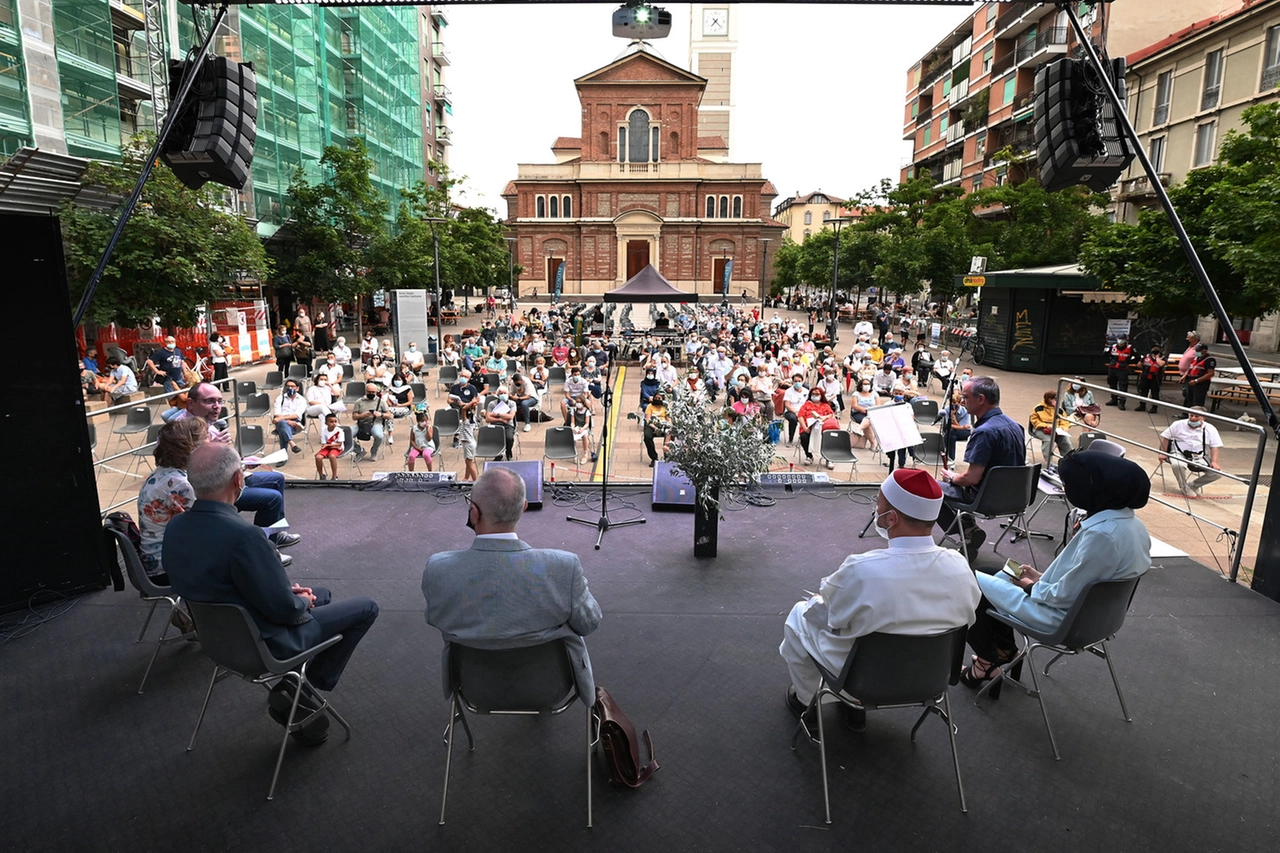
{"points": [[640, 67]]}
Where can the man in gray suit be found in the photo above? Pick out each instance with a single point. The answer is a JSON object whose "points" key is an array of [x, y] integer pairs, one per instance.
{"points": [[501, 593]]}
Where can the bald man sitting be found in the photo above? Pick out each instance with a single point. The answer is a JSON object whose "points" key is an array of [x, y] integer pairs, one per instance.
{"points": [[214, 556], [502, 593], [912, 587]]}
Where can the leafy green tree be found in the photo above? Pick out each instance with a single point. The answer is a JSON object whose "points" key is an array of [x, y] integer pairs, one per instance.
{"points": [[177, 251], [1231, 212], [339, 227], [1036, 228], [785, 267]]}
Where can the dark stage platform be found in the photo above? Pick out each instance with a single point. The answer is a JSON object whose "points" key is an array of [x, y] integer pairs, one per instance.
{"points": [[689, 648]]}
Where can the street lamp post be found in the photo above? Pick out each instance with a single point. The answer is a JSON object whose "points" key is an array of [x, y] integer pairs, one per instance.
{"points": [[764, 273], [432, 221], [724, 280], [832, 322]]}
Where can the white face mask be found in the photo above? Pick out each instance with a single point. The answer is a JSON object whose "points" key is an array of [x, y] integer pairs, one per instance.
{"points": [[883, 531]]}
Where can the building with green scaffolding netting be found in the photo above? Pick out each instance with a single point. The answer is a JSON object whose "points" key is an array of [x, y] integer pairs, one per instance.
{"points": [[326, 75]]}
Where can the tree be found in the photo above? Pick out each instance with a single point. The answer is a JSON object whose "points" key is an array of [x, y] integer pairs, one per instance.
{"points": [[1036, 228], [785, 267], [177, 251], [1231, 212], [339, 226]]}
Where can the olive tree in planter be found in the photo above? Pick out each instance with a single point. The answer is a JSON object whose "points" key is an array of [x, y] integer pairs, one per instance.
{"points": [[714, 454]]}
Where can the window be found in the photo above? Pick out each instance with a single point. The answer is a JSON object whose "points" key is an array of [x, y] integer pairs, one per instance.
{"points": [[1204, 143], [980, 145], [638, 131], [724, 207], [808, 217], [1212, 80], [928, 133], [622, 145], [806, 233], [992, 11], [1164, 94], [737, 207], [1271, 60], [555, 207], [541, 208], [653, 142], [976, 184], [826, 216], [987, 56], [915, 109], [1156, 153], [943, 124], [711, 207], [567, 208], [1010, 89]]}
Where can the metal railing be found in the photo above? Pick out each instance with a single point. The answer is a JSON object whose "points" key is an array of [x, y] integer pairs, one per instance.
{"points": [[1235, 537]]}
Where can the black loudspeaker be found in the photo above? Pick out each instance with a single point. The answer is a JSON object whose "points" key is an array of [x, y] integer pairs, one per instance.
{"points": [[672, 492], [213, 135], [1078, 140], [531, 473], [53, 531]]}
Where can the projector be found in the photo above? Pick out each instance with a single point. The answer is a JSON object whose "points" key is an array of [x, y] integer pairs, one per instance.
{"points": [[641, 21]]}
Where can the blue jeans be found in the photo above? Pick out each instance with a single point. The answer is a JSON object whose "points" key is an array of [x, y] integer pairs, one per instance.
{"points": [[286, 430], [263, 495], [953, 436], [527, 407], [352, 618]]}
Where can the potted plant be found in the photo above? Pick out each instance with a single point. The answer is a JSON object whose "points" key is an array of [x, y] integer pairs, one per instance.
{"points": [[714, 454]]}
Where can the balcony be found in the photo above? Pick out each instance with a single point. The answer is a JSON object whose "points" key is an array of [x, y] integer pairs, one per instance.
{"points": [[1014, 18], [442, 94], [438, 17], [955, 132], [444, 134], [959, 92], [439, 54], [932, 72], [1139, 188], [123, 15], [1051, 42]]}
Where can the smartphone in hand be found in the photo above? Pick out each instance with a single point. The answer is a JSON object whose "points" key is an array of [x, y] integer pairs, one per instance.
{"points": [[1013, 569]]}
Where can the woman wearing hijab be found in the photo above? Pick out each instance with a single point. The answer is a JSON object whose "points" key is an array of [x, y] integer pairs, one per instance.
{"points": [[1112, 545]]}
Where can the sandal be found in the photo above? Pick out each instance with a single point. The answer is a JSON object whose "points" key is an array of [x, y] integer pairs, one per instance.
{"points": [[976, 675]]}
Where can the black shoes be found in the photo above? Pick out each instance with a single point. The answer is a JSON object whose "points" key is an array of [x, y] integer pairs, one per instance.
{"points": [[283, 538], [1113, 403], [854, 717], [1141, 407], [280, 700]]}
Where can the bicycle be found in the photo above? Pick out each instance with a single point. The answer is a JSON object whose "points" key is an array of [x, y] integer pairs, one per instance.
{"points": [[979, 351]]}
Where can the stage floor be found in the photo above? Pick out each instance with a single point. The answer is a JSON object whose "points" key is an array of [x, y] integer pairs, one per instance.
{"points": [[689, 649]]}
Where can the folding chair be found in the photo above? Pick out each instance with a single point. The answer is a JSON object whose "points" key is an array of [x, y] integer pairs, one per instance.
{"points": [[1006, 492], [532, 680], [925, 412], [146, 450], [447, 376], [229, 637], [837, 449], [148, 590], [256, 405], [1095, 617], [275, 379], [446, 422], [886, 671], [491, 441], [244, 390], [558, 444], [931, 450], [136, 420], [251, 440]]}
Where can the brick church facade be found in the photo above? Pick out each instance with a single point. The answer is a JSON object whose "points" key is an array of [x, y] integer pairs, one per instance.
{"points": [[637, 187]]}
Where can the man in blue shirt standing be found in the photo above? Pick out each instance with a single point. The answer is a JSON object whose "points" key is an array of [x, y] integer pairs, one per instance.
{"points": [[167, 362], [997, 440]]}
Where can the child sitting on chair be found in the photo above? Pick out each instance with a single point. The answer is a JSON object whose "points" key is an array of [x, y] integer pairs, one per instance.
{"points": [[331, 444]]}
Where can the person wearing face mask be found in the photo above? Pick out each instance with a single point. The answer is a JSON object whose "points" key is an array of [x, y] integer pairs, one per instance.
{"points": [[399, 396], [1112, 544], [1199, 374], [648, 387], [1119, 357], [289, 415], [413, 361], [370, 413], [1150, 375], [341, 352], [911, 587], [321, 400], [864, 398], [1078, 403], [816, 413], [793, 399], [580, 423], [212, 555], [167, 363], [501, 411], [368, 348], [1191, 447]]}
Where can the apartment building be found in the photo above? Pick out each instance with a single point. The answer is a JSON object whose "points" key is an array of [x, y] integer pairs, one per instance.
{"points": [[969, 99], [79, 77], [806, 214], [1186, 91]]}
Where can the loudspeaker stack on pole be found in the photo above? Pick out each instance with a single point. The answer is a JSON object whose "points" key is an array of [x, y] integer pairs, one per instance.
{"points": [[1078, 140], [214, 130]]}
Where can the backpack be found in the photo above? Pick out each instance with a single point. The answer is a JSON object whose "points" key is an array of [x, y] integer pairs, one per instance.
{"points": [[122, 523], [619, 746]]}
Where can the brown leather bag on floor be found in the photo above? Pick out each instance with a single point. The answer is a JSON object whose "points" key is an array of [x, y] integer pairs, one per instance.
{"points": [[620, 747]]}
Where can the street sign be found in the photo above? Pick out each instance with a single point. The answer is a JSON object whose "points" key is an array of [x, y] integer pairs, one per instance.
{"points": [[975, 280]]}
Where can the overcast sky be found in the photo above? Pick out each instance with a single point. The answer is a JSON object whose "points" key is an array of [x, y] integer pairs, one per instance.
{"points": [[820, 90]]}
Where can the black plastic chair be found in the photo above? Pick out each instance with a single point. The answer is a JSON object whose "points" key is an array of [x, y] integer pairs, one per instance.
{"points": [[245, 389], [447, 376], [251, 440], [556, 376], [419, 390], [256, 406], [148, 590], [1006, 492], [558, 444], [930, 450], [837, 448], [925, 412], [275, 379], [231, 640], [533, 680], [298, 372], [886, 671], [447, 422], [136, 420], [1095, 617], [352, 391], [491, 441]]}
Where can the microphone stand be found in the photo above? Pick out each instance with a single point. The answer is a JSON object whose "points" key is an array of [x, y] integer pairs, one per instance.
{"points": [[603, 523]]}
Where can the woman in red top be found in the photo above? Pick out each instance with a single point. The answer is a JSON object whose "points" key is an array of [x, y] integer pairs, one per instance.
{"points": [[816, 412]]}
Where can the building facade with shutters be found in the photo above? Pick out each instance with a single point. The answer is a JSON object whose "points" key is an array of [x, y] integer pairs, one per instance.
{"points": [[639, 186]]}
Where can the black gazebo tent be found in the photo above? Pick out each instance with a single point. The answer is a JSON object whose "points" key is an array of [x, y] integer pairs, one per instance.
{"points": [[648, 285]]}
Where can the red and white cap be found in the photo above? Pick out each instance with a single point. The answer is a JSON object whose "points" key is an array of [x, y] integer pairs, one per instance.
{"points": [[913, 492]]}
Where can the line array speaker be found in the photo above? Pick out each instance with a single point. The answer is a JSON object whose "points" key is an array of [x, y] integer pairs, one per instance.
{"points": [[212, 137]]}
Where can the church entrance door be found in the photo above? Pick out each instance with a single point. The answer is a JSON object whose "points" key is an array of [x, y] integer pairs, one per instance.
{"points": [[637, 257]]}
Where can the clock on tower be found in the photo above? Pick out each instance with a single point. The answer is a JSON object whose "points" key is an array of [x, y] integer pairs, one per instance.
{"points": [[715, 22]]}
